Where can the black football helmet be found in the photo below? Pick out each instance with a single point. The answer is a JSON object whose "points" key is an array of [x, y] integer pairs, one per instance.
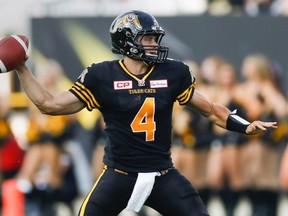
{"points": [[131, 25]]}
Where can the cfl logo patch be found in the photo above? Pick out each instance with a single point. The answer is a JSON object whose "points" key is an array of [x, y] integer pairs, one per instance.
{"points": [[118, 85]]}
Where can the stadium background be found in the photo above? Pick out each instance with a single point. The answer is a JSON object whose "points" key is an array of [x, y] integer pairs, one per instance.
{"points": [[78, 42]]}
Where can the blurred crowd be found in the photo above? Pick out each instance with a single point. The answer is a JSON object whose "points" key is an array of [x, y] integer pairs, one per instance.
{"points": [[61, 158], [161, 7], [198, 7], [229, 165], [248, 7]]}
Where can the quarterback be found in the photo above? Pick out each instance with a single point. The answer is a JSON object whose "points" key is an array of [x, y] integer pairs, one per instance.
{"points": [[135, 95]]}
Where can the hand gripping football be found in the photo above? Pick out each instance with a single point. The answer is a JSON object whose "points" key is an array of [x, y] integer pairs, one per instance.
{"points": [[13, 51]]}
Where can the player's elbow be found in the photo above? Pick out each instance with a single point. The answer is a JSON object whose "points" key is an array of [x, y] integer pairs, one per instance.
{"points": [[46, 108]]}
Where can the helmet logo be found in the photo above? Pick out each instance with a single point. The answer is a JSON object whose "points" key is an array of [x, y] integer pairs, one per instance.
{"points": [[127, 21]]}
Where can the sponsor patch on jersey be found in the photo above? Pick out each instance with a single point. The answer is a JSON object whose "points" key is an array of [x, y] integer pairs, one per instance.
{"points": [[158, 84], [118, 85]]}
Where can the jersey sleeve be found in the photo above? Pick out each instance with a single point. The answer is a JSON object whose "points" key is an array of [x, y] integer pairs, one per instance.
{"points": [[187, 84], [83, 89]]}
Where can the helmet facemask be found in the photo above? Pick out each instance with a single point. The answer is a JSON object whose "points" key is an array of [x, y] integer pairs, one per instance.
{"points": [[149, 54]]}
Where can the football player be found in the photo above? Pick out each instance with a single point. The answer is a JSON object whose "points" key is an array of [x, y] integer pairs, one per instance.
{"points": [[135, 96]]}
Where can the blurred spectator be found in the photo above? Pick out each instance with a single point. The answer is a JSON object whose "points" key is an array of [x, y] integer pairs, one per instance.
{"points": [[46, 175], [190, 147], [260, 98], [220, 7], [196, 7], [279, 8], [283, 174], [224, 169], [11, 155], [257, 7], [237, 5]]}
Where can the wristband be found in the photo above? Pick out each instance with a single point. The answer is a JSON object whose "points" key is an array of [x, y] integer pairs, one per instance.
{"points": [[236, 123]]}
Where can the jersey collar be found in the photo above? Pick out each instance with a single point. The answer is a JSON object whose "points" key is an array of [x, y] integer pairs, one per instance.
{"points": [[134, 76]]}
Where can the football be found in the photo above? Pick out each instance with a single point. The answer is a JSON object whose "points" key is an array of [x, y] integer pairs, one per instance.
{"points": [[13, 51]]}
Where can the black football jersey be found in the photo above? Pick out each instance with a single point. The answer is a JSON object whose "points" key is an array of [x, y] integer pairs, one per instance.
{"points": [[137, 110]]}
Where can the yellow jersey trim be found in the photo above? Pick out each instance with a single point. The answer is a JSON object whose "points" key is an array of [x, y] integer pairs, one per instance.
{"points": [[85, 95], [83, 207], [184, 97], [132, 75]]}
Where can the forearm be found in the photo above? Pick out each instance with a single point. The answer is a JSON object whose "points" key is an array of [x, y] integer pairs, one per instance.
{"points": [[214, 112], [34, 90], [232, 122], [218, 114], [224, 118]]}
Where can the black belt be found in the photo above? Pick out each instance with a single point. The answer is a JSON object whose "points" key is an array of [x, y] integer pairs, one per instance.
{"points": [[162, 172]]}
